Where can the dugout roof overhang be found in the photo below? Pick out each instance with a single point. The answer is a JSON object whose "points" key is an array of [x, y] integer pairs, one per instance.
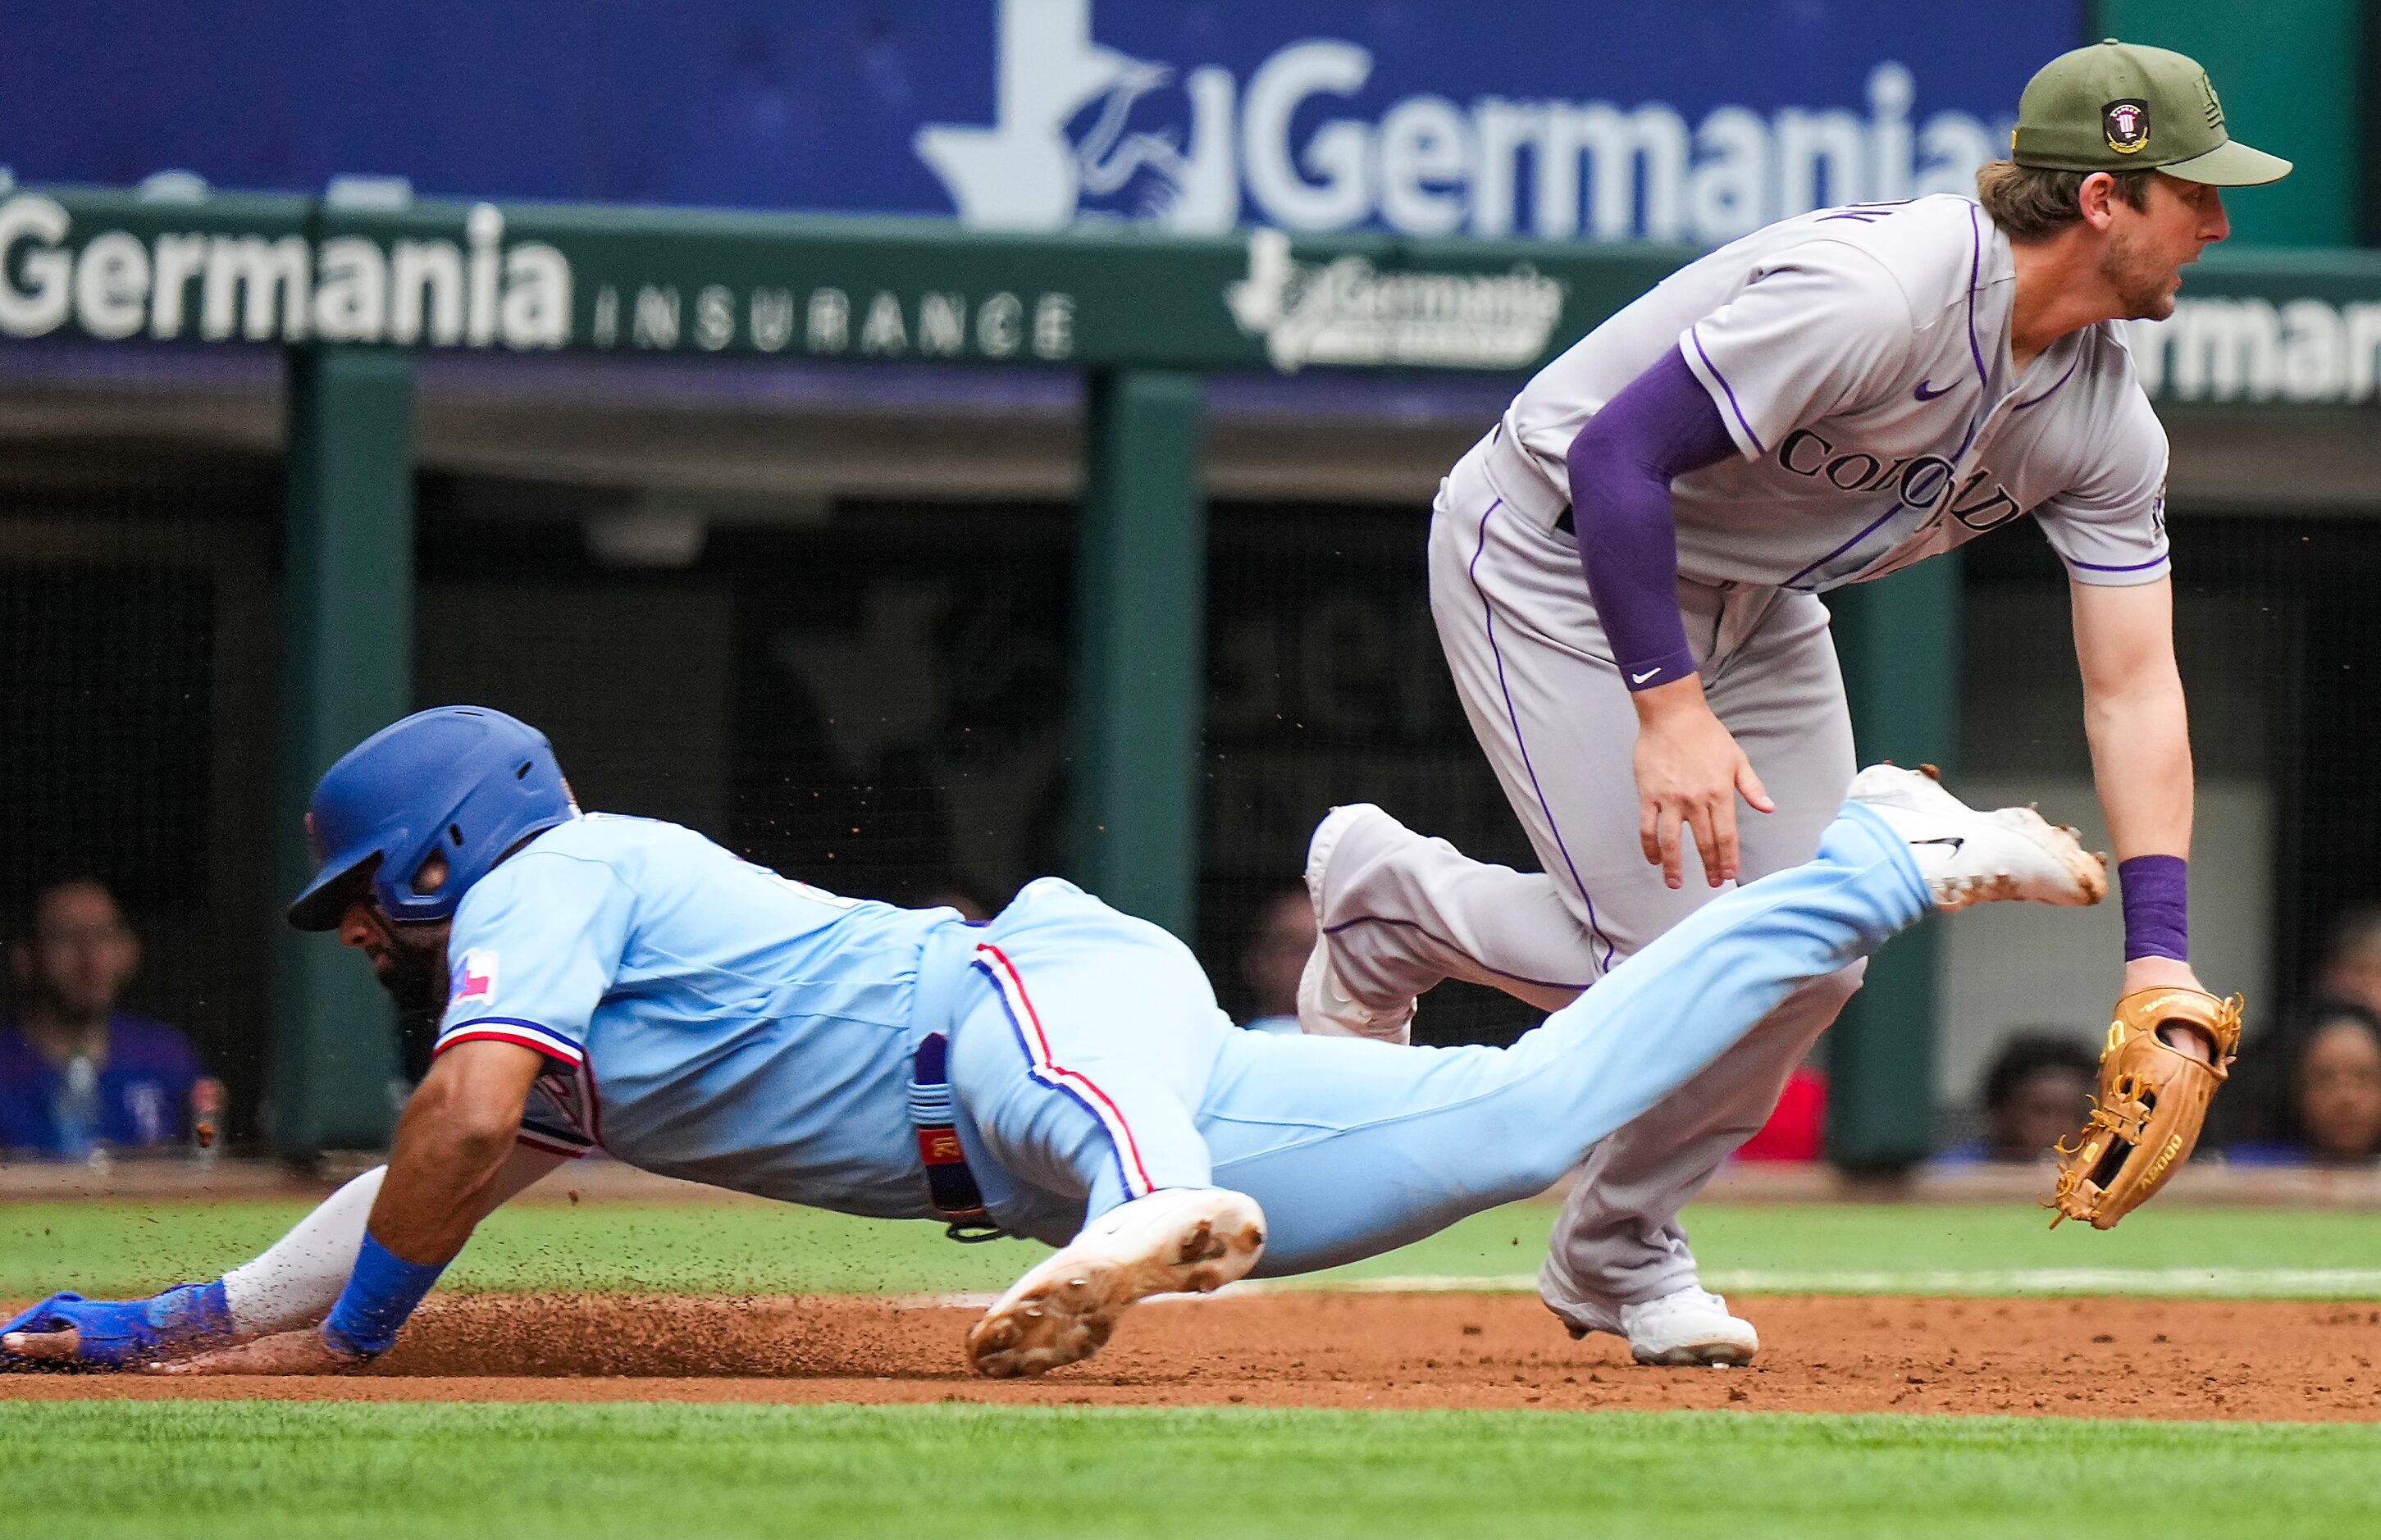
{"points": [[730, 355]]}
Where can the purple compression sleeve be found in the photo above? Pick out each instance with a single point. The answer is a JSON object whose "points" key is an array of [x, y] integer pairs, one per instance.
{"points": [[1662, 424], [2156, 914]]}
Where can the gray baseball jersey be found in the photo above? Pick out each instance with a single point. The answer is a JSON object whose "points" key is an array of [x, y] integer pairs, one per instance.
{"points": [[1861, 360]]}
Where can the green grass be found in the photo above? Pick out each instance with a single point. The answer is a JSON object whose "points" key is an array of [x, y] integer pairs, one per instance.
{"points": [[706, 1248], [260, 1469], [257, 1469], [753, 1247], [1957, 1248]]}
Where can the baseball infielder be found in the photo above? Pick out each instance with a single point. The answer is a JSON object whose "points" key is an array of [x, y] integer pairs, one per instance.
{"points": [[1059, 1071], [1625, 574]]}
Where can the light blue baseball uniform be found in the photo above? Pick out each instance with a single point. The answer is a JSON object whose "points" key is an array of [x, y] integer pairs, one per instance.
{"points": [[708, 1019]]}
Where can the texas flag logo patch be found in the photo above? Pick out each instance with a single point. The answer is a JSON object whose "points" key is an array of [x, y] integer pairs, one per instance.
{"points": [[473, 981]]}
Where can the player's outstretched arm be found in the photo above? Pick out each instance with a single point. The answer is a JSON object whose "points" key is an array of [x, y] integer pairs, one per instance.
{"points": [[292, 1283], [297, 1279], [2138, 726], [302, 1270], [455, 1149]]}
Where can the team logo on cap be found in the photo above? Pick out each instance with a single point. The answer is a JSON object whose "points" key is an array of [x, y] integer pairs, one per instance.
{"points": [[2127, 124]]}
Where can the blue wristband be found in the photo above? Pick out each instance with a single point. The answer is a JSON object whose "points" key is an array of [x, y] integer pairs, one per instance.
{"points": [[381, 1293]]}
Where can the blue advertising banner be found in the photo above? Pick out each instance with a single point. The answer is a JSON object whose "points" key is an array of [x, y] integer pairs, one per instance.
{"points": [[1631, 120]]}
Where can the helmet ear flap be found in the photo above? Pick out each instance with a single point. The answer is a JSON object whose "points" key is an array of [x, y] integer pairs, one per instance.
{"points": [[407, 876], [433, 870]]}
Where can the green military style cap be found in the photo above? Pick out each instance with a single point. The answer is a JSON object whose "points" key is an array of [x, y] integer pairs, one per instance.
{"points": [[2122, 107]]}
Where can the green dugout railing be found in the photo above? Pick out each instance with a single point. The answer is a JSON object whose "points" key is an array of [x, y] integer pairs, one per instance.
{"points": [[352, 295]]}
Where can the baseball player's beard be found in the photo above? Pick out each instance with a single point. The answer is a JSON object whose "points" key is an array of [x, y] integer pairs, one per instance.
{"points": [[2144, 284], [415, 977]]}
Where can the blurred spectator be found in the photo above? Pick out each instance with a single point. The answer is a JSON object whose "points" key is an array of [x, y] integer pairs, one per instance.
{"points": [[77, 1075], [2352, 963], [2038, 1092], [1274, 958], [2332, 1115], [1797, 1127]]}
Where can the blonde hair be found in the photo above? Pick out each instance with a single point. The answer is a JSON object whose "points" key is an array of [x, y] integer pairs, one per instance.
{"points": [[2030, 201]]}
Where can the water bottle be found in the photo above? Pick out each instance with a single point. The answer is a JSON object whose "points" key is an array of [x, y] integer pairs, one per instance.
{"points": [[76, 1109], [206, 1113]]}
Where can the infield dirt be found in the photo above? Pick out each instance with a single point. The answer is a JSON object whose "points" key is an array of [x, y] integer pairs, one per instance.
{"points": [[2292, 1360]]}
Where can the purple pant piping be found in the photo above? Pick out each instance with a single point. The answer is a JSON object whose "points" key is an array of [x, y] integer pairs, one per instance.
{"points": [[1488, 618]]}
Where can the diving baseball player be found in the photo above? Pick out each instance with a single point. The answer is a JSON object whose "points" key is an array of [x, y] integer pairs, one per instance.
{"points": [[1626, 574], [1058, 1071]]}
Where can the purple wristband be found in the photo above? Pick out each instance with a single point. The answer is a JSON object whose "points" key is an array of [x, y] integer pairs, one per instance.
{"points": [[2157, 907]]}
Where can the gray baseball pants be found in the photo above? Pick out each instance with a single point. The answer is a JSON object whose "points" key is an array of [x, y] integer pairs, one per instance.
{"points": [[1548, 704]]}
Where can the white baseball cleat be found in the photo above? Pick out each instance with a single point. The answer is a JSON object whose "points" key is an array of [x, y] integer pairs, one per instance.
{"points": [[1688, 1328], [1180, 1239], [1324, 1008], [1973, 858]]}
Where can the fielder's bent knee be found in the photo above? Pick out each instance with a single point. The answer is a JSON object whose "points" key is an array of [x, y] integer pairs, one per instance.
{"points": [[1843, 983]]}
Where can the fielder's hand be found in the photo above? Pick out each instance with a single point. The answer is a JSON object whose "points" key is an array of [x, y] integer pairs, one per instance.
{"points": [[2158, 972], [2165, 972], [302, 1351], [1689, 771], [67, 1331]]}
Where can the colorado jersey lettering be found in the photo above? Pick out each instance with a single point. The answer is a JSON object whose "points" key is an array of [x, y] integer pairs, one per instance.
{"points": [[1859, 358]]}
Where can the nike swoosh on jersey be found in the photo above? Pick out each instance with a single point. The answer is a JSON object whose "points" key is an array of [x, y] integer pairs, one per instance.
{"points": [[1641, 679], [1926, 395]]}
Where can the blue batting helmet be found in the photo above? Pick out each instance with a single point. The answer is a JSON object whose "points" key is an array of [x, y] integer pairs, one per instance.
{"points": [[465, 782]]}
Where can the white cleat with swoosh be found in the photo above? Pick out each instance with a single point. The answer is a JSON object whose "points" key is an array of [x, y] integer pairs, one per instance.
{"points": [[1969, 857]]}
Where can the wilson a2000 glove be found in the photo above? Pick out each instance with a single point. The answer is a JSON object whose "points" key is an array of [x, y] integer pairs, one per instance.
{"points": [[2153, 1099]]}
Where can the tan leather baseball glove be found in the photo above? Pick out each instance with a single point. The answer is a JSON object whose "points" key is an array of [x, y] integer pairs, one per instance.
{"points": [[2153, 1099]]}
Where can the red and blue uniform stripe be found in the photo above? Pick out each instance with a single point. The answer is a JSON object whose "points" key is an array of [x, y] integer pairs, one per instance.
{"points": [[1027, 1023]]}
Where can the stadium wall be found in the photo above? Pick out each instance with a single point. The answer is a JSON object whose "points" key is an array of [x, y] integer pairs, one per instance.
{"points": [[661, 458]]}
